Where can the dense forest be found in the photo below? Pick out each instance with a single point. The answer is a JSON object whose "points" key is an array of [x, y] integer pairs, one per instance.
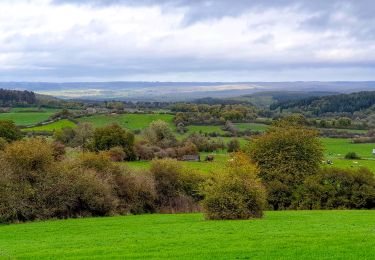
{"points": [[343, 103], [15, 97]]}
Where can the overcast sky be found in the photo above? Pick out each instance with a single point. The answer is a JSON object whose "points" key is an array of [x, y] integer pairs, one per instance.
{"points": [[187, 40]]}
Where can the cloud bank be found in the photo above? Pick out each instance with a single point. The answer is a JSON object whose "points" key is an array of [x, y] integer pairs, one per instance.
{"points": [[181, 40]]}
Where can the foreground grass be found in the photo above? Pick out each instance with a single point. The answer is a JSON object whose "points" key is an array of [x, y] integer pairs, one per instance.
{"points": [[279, 235]]}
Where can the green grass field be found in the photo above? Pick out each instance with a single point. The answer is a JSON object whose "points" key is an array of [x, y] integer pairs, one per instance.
{"points": [[22, 116], [51, 127], [129, 121], [279, 235], [221, 157], [335, 150], [339, 147], [206, 129], [251, 126]]}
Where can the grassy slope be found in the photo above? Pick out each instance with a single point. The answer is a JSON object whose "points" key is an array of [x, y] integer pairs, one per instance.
{"points": [[27, 118], [130, 121], [280, 235], [53, 126]]}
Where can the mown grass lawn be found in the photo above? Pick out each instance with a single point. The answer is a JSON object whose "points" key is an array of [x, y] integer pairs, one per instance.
{"points": [[129, 121], [279, 235], [51, 127]]}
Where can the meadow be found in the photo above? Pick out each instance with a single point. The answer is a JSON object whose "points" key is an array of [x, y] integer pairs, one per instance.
{"points": [[129, 121], [279, 235], [28, 116], [51, 127], [334, 150]]}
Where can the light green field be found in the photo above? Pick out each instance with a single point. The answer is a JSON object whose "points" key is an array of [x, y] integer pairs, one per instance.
{"points": [[221, 158], [206, 129], [21, 116], [337, 148], [129, 121], [354, 131], [51, 127], [279, 235]]}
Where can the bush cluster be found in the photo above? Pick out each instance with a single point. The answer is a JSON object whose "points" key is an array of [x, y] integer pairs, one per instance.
{"points": [[338, 189], [289, 157], [37, 184]]}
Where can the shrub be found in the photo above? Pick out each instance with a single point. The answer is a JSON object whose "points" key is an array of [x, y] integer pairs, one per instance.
{"points": [[9, 131], [352, 155], [64, 135], [116, 154], [177, 188], [27, 157], [233, 145], [187, 149], [136, 192], [205, 144], [3, 143], [236, 193], [34, 186], [334, 188], [286, 154], [92, 195], [145, 151], [58, 151]]}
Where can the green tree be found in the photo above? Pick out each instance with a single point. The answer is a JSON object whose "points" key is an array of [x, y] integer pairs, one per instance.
{"points": [[111, 136], [9, 131], [159, 133], [286, 154]]}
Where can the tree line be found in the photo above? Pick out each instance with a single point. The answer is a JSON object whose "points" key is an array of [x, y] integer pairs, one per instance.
{"points": [[10, 98], [343, 103]]}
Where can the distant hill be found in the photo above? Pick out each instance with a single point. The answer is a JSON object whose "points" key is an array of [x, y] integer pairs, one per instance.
{"points": [[267, 98], [184, 91], [342, 103]]}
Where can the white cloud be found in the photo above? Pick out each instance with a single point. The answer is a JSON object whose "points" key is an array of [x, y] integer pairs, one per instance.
{"points": [[44, 41]]}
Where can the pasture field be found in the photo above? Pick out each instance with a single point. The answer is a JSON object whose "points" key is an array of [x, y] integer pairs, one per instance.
{"points": [[251, 126], [51, 127], [205, 129], [279, 235], [221, 158], [129, 121], [335, 150], [339, 147], [28, 116]]}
